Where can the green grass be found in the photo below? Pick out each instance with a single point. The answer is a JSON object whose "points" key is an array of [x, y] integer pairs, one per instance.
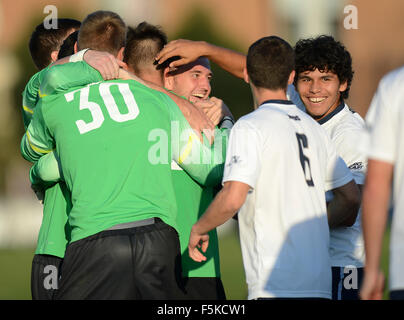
{"points": [[15, 269], [15, 273], [231, 267]]}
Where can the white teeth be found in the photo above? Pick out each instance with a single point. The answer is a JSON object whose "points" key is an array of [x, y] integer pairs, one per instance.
{"points": [[198, 95], [316, 99]]}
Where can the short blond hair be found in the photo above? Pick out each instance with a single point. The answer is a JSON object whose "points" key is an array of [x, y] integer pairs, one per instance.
{"points": [[103, 31]]}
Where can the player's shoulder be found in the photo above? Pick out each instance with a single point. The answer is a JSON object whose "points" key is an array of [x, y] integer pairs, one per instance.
{"points": [[393, 79], [347, 124]]}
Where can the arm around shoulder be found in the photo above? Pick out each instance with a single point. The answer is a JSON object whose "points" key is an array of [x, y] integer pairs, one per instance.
{"points": [[342, 210]]}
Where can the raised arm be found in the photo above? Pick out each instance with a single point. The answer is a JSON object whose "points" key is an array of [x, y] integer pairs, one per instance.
{"points": [[195, 116], [188, 51]]}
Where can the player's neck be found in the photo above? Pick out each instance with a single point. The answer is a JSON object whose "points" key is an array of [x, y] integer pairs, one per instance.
{"points": [[262, 95]]}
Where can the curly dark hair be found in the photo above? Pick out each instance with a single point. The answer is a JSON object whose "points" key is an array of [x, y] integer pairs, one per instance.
{"points": [[325, 54]]}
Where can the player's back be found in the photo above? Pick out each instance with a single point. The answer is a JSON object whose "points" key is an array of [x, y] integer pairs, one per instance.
{"points": [[283, 222], [104, 133]]}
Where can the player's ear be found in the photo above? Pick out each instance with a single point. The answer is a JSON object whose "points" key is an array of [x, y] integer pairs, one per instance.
{"points": [[168, 79], [120, 54], [54, 55], [75, 47], [343, 86], [245, 75], [292, 77]]}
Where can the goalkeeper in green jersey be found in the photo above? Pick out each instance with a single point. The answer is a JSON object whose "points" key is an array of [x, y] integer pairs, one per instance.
{"points": [[54, 232], [123, 241]]}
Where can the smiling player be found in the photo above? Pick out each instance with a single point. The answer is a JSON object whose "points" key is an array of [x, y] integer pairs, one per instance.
{"points": [[323, 80]]}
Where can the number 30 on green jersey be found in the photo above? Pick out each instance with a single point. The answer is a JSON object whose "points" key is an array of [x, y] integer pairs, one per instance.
{"points": [[109, 101]]}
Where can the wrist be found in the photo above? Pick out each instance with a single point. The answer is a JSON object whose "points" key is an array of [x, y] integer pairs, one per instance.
{"points": [[204, 48], [226, 122]]}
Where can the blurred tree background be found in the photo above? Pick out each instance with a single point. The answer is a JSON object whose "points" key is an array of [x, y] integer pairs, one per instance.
{"points": [[233, 91]]}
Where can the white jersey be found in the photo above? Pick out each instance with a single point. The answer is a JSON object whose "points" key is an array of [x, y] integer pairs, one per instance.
{"points": [[345, 127], [385, 121], [289, 162]]}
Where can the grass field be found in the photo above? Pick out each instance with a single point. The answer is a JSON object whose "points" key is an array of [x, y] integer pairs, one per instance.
{"points": [[15, 270]]}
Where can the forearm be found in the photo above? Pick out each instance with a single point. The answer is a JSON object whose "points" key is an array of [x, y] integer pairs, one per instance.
{"points": [[46, 170], [229, 60], [342, 210], [376, 195], [221, 209], [29, 151]]}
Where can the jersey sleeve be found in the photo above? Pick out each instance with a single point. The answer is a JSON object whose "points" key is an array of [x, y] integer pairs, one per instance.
{"points": [[337, 172], [37, 141], [243, 159], [46, 170], [63, 77], [382, 126], [349, 150], [31, 95], [203, 161]]}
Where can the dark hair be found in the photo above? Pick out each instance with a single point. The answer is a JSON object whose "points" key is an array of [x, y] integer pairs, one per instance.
{"points": [[45, 40], [103, 31], [327, 55], [270, 60], [142, 45], [67, 48]]}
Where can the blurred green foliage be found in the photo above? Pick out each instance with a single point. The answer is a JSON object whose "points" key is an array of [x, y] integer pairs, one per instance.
{"points": [[233, 91]]}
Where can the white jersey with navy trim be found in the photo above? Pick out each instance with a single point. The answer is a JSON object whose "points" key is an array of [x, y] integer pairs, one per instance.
{"points": [[385, 121], [289, 162], [345, 127]]}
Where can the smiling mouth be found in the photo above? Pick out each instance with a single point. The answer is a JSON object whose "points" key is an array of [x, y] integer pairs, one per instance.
{"points": [[198, 95], [316, 100]]}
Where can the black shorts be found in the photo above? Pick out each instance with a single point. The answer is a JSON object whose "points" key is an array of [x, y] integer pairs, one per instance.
{"points": [[346, 283], [45, 276], [397, 295], [199, 288], [134, 263]]}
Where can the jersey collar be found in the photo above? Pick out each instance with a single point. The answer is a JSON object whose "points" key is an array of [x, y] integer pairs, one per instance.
{"points": [[287, 102], [330, 115]]}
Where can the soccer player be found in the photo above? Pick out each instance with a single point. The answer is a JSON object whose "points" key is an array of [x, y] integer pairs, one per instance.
{"points": [[123, 242], [44, 46], [385, 170], [278, 165], [323, 80], [54, 232], [143, 43], [202, 281]]}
